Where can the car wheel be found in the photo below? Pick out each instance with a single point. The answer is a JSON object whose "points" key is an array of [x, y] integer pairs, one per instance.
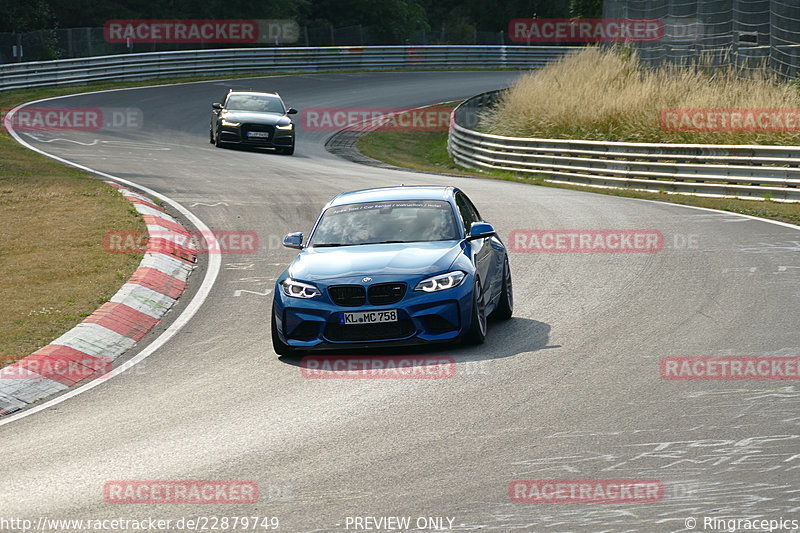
{"points": [[477, 326], [210, 136], [280, 347], [505, 307], [286, 151], [217, 142]]}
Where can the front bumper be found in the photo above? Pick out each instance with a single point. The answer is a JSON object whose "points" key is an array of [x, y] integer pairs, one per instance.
{"points": [[423, 318], [253, 135]]}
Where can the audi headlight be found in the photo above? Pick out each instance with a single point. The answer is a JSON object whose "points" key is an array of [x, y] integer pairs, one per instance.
{"points": [[286, 127], [296, 289], [230, 123], [441, 282]]}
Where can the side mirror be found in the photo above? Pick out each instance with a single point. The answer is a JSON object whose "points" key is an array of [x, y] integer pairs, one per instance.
{"points": [[293, 240], [480, 230], [291, 111], [216, 105]]}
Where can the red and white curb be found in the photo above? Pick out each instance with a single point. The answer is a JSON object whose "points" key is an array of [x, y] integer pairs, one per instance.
{"points": [[88, 350]]}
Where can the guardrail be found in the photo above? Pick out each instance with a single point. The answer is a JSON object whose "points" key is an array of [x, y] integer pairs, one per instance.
{"points": [[283, 59], [747, 171]]}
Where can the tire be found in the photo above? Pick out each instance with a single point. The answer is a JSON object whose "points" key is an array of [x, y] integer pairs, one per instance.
{"points": [[278, 345], [505, 307], [217, 142], [478, 321], [210, 136], [286, 151]]}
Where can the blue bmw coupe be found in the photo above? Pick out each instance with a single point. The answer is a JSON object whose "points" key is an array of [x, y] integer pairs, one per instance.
{"points": [[392, 266]]}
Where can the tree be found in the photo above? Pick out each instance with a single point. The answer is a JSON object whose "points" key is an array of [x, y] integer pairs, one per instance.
{"points": [[586, 9], [20, 17], [489, 15], [393, 20]]}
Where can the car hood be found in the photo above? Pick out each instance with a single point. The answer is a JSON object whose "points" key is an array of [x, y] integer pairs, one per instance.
{"points": [[256, 117], [379, 261]]}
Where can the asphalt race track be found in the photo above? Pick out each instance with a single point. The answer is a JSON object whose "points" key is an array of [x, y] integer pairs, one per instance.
{"points": [[568, 389]]}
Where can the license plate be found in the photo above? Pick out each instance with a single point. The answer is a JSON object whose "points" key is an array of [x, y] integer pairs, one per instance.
{"points": [[258, 134], [368, 317]]}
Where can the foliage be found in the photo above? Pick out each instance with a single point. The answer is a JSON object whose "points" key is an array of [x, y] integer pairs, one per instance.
{"points": [[395, 19], [26, 16], [586, 9]]}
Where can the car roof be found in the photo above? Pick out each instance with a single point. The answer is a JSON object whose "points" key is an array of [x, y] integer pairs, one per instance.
{"points": [[405, 192], [254, 93]]}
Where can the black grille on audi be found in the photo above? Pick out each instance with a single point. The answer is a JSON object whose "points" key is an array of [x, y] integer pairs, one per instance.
{"points": [[386, 293], [348, 295], [261, 128]]}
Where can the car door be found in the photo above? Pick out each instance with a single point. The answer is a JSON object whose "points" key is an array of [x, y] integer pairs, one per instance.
{"points": [[481, 250], [491, 255]]}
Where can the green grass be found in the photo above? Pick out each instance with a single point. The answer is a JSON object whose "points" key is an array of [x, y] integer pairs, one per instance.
{"points": [[421, 151]]}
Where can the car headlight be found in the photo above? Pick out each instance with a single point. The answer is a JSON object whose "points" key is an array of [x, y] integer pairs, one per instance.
{"points": [[441, 282], [226, 122], [296, 289], [286, 127]]}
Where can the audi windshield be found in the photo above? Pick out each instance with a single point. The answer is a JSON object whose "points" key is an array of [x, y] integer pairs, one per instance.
{"points": [[255, 102]]}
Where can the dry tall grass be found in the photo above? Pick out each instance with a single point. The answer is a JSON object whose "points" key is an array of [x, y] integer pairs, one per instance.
{"points": [[609, 95]]}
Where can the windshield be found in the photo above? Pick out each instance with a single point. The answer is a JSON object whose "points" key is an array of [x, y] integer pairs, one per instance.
{"points": [[386, 222], [254, 102]]}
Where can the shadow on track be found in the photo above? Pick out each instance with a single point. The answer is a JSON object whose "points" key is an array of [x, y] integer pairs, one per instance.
{"points": [[504, 339]]}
